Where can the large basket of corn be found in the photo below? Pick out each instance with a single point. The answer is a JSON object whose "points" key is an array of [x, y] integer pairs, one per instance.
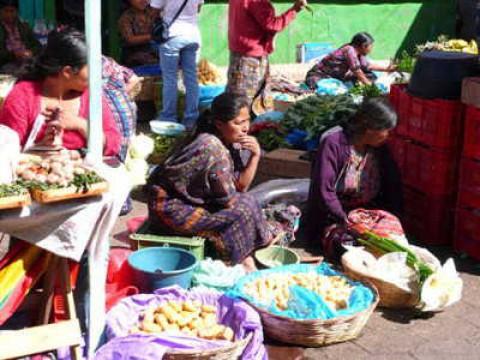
{"points": [[302, 310]]}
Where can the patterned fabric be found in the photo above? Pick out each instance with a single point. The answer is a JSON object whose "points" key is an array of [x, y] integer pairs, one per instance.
{"points": [[247, 75], [283, 218], [340, 64], [132, 23], [124, 110], [359, 182], [357, 186], [13, 40], [194, 193]]}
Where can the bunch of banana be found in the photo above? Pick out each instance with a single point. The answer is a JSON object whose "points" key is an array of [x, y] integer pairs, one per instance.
{"points": [[187, 318], [208, 73], [334, 290]]}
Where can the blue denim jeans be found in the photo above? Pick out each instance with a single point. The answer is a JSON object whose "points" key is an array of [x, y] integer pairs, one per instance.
{"points": [[179, 51]]}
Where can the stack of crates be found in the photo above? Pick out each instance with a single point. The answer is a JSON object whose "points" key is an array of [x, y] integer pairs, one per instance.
{"points": [[426, 146], [467, 220]]}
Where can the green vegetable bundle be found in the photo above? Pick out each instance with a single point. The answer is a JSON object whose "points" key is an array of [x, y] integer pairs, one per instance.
{"points": [[385, 245], [317, 114], [7, 190], [405, 63], [367, 91]]}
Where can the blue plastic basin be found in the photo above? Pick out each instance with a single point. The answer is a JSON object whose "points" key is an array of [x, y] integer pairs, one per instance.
{"points": [[158, 267]]}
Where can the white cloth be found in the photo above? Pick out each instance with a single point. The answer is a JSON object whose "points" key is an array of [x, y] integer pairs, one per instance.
{"points": [[186, 24], [68, 228], [9, 154]]}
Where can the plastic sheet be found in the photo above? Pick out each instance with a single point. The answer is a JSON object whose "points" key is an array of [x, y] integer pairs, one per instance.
{"points": [[331, 86], [305, 304], [215, 274], [231, 312], [294, 191]]}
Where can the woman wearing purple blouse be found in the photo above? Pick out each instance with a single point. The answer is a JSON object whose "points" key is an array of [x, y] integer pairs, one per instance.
{"points": [[353, 169], [348, 63]]}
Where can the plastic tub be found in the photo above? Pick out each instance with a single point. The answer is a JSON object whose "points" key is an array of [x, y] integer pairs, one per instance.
{"points": [[158, 267], [166, 128], [273, 256]]}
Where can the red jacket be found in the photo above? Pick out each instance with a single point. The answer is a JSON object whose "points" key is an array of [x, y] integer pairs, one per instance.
{"points": [[252, 26], [22, 106]]}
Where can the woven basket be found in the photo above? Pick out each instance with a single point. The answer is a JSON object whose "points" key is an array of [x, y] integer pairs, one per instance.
{"points": [[391, 296], [230, 352], [314, 333]]}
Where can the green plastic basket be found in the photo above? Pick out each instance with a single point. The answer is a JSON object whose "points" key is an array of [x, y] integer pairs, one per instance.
{"points": [[273, 256], [196, 245]]}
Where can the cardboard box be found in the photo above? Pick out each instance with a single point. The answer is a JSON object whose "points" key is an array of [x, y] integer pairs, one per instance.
{"points": [[471, 91], [282, 163]]}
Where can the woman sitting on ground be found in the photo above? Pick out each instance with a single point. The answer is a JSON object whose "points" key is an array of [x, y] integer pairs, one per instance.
{"points": [[353, 169], [348, 63], [200, 190], [135, 26], [17, 42], [55, 85]]}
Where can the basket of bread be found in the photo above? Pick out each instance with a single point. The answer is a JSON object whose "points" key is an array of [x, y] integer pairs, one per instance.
{"points": [[308, 305], [194, 324]]}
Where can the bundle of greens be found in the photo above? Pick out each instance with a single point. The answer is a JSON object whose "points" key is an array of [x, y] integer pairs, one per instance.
{"points": [[384, 245], [405, 63], [316, 114], [366, 90], [7, 190]]}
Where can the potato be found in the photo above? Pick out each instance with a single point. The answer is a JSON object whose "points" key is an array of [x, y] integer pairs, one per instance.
{"points": [[227, 334]]}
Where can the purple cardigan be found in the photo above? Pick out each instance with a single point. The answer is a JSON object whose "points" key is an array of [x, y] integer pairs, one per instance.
{"points": [[324, 206]]}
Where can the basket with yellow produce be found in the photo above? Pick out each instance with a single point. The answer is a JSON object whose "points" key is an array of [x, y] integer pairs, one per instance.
{"points": [[308, 305], [454, 45], [195, 324], [208, 73]]}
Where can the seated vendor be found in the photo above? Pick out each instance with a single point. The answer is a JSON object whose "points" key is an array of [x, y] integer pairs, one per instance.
{"points": [[17, 42], [353, 169], [135, 26], [200, 190], [55, 85], [348, 63]]}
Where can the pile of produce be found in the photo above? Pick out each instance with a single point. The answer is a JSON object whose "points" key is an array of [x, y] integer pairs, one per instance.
{"points": [[208, 73], [334, 290], [62, 170], [455, 45], [188, 318], [163, 145], [140, 147], [316, 114], [270, 135], [8, 190]]}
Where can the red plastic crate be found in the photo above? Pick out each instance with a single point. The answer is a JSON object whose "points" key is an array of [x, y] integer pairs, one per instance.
{"points": [[471, 140], [401, 101], [428, 218], [469, 184], [398, 148], [436, 123], [428, 169], [467, 232]]}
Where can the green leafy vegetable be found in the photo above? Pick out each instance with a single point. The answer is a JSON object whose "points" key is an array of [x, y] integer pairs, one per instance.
{"points": [[317, 114], [7, 190], [366, 90]]}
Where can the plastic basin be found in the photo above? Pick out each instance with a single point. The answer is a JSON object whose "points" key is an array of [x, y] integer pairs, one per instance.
{"points": [[158, 267], [166, 128], [273, 256]]}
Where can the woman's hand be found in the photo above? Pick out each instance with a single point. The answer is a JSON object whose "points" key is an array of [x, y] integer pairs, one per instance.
{"points": [[299, 5], [64, 120], [251, 143]]}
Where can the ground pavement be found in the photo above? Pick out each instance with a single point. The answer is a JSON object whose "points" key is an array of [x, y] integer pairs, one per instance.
{"points": [[392, 335]]}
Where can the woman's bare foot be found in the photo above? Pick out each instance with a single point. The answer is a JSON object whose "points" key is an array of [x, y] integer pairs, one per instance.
{"points": [[249, 264]]}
